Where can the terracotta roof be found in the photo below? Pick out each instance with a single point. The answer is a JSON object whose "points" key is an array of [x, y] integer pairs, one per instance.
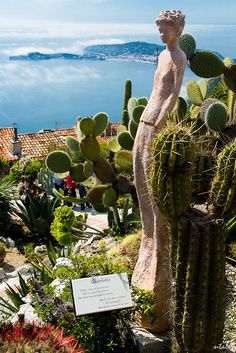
{"points": [[36, 145]]}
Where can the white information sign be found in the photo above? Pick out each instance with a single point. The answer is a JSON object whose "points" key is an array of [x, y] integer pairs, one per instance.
{"points": [[101, 293]]}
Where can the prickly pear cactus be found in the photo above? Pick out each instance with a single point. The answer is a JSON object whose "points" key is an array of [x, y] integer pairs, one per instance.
{"points": [[88, 151]]}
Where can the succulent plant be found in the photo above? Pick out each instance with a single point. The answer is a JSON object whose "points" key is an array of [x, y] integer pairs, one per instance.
{"points": [[125, 140], [32, 338], [194, 93], [223, 188], [171, 173], [90, 148], [230, 77], [58, 161], [207, 64], [87, 126], [188, 44], [101, 122], [109, 197], [198, 271], [124, 160], [216, 117], [127, 96]]}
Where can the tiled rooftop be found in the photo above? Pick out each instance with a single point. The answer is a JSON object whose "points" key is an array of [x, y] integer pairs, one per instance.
{"points": [[36, 145]]}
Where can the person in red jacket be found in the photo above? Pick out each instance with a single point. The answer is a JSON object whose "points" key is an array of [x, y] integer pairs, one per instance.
{"points": [[70, 187]]}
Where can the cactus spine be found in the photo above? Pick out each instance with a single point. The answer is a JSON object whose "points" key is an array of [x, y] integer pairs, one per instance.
{"points": [[196, 244]]}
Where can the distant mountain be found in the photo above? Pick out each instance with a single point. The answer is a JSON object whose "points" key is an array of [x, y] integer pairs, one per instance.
{"points": [[40, 56], [133, 51]]}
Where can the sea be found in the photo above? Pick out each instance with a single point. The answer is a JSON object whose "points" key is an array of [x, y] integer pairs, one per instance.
{"points": [[38, 95]]}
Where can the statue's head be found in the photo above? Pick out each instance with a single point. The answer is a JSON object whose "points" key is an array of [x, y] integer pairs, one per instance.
{"points": [[170, 24]]}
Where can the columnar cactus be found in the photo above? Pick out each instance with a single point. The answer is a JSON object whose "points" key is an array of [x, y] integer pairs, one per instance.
{"points": [[223, 188], [171, 174], [197, 248], [198, 269], [127, 96]]}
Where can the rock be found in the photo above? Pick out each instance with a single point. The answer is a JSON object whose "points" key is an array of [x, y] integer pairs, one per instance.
{"points": [[29, 314], [149, 343], [59, 285], [63, 261], [10, 243], [28, 299], [25, 269], [41, 249], [2, 254], [2, 273]]}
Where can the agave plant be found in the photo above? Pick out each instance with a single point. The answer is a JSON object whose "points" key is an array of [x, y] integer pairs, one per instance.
{"points": [[32, 338], [6, 190], [37, 213]]}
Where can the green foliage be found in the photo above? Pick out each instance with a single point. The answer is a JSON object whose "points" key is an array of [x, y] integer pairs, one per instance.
{"points": [[72, 143], [171, 173], [194, 92], [58, 162], [125, 140], [15, 295], [223, 187], [99, 333], [37, 214], [126, 252], [124, 160], [31, 338], [188, 44], [87, 126], [109, 197], [127, 96], [45, 180], [90, 148], [101, 122], [3, 164], [114, 145], [103, 170], [137, 113], [206, 64], [26, 168], [230, 77], [104, 149], [216, 117], [6, 190], [198, 272], [204, 171], [64, 221], [77, 172]]}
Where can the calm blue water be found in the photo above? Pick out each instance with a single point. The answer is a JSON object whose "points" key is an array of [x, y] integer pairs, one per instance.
{"points": [[41, 95]]}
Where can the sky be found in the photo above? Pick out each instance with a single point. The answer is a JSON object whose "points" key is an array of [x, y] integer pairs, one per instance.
{"points": [[87, 22], [118, 11]]}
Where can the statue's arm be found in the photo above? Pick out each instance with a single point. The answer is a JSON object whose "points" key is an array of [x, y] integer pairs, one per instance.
{"points": [[171, 95]]}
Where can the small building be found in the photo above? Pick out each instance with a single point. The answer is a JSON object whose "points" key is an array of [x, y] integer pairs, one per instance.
{"points": [[38, 144]]}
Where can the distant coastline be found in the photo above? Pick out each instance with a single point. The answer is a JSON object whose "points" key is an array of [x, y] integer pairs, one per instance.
{"points": [[132, 51]]}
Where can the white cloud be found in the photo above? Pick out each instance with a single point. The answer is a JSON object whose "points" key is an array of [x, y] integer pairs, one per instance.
{"points": [[27, 74]]}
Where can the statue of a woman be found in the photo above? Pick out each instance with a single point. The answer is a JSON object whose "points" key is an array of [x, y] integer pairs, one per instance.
{"points": [[152, 269]]}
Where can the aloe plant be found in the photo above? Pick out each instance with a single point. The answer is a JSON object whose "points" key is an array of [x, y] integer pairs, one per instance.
{"points": [[6, 189], [37, 213]]}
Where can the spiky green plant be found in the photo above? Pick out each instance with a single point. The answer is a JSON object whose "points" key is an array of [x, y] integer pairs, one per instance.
{"points": [[6, 192]]}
